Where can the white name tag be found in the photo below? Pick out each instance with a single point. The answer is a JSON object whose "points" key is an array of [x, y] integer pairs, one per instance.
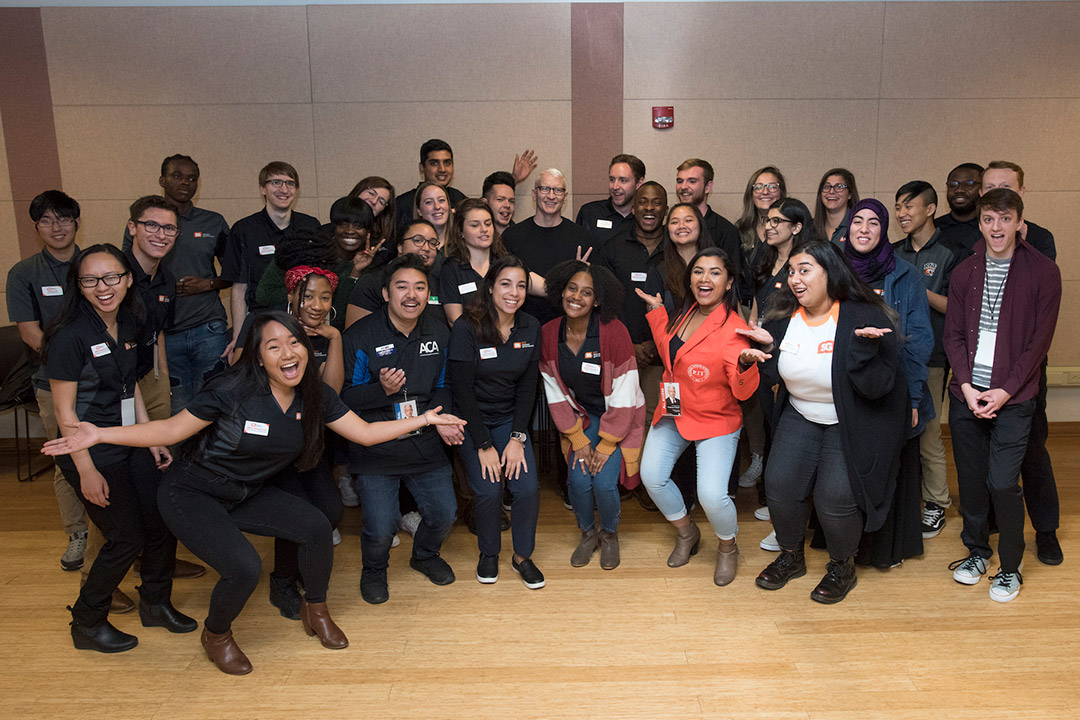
{"points": [[606, 224], [789, 346], [51, 291], [488, 353], [267, 249], [984, 353], [256, 428], [638, 277], [100, 349], [467, 288], [384, 350], [127, 411], [590, 368]]}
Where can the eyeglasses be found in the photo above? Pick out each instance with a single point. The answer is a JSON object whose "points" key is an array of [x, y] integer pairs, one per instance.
{"points": [[762, 187], [421, 240], [370, 196], [548, 190], [90, 281], [837, 187], [774, 221], [276, 183], [966, 184], [64, 222], [169, 231]]}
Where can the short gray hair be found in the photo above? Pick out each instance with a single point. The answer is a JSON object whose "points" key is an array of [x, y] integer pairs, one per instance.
{"points": [[554, 172]]}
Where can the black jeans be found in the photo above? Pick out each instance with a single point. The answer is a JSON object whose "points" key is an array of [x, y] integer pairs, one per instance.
{"points": [[130, 524], [988, 454], [210, 513], [1036, 471], [807, 459], [316, 487], [526, 506]]}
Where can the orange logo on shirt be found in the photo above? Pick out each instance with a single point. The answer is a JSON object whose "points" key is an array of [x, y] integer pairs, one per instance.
{"points": [[198, 234], [825, 347]]}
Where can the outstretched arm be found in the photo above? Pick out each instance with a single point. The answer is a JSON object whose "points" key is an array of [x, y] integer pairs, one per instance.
{"points": [[355, 429], [79, 436]]}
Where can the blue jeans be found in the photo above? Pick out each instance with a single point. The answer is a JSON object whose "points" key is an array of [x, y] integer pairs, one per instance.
{"points": [[526, 492], [583, 487], [434, 493], [715, 457], [192, 353]]}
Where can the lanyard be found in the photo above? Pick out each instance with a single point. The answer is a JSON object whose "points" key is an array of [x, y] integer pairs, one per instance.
{"points": [[992, 307]]}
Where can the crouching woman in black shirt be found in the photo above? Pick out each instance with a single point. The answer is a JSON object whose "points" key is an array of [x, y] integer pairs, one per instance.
{"points": [[262, 415]]}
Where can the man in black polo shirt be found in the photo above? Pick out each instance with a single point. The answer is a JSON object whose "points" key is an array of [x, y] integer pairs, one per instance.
{"points": [[960, 226], [547, 238], [916, 203], [254, 239], [498, 193], [436, 166], [35, 296], [1036, 472], [693, 184], [395, 367], [602, 219]]}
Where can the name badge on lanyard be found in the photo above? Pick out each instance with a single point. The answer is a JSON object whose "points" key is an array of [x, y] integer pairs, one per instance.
{"points": [[672, 399], [127, 411], [984, 351]]}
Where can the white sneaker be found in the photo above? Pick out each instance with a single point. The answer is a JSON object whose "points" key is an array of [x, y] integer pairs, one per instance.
{"points": [[395, 542], [409, 522], [969, 570], [1005, 586], [750, 477], [769, 543], [762, 513], [349, 498], [337, 537]]}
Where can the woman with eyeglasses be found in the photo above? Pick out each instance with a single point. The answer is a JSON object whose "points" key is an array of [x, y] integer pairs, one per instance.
{"points": [[432, 203], [378, 193], [835, 195], [89, 354], [765, 187]]}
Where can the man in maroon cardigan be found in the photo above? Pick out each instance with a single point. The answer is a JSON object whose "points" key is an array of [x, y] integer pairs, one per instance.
{"points": [[1003, 306]]}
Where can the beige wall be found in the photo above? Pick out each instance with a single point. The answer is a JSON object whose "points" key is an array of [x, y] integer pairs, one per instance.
{"points": [[9, 244]]}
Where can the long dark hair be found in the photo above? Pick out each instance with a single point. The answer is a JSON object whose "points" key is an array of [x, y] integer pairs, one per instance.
{"points": [[248, 377], [674, 267], [843, 283], [795, 211], [456, 248], [480, 311], [74, 300], [747, 222], [820, 216], [730, 301], [386, 221]]}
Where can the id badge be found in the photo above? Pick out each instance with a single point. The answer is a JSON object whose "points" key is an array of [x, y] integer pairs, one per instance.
{"points": [[127, 411], [672, 399], [404, 411], [984, 351]]}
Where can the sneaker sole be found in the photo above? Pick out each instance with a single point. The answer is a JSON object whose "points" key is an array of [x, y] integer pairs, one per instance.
{"points": [[927, 534], [72, 567], [769, 548], [487, 580], [747, 483], [531, 586], [764, 517], [965, 580], [1004, 598], [1056, 560]]}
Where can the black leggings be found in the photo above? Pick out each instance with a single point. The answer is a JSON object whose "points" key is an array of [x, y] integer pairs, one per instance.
{"points": [[210, 513], [317, 487]]}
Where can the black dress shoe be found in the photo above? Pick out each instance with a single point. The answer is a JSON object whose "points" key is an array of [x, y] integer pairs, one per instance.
{"points": [[434, 569], [102, 637], [166, 616], [373, 586], [1048, 549]]}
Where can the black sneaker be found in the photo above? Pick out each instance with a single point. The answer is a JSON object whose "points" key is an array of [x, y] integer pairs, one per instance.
{"points": [[487, 569], [1048, 549], [530, 574], [434, 569], [566, 499], [933, 519], [373, 586]]}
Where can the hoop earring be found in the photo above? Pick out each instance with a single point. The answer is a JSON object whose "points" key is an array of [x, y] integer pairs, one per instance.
{"points": [[333, 313]]}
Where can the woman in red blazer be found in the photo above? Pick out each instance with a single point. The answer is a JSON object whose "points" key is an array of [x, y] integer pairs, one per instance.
{"points": [[702, 387]]}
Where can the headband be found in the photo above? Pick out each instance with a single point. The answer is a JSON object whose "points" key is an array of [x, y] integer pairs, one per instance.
{"points": [[294, 275]]}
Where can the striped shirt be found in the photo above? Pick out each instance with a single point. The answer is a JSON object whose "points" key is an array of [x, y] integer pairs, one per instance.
{"points": [[997, 271]]}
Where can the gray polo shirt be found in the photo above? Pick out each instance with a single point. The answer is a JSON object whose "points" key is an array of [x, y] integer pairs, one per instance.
{"points": [[36, 288], [935, 263]]}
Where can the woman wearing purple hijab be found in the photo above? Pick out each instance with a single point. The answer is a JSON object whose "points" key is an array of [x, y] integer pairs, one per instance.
{"points": [[872, 258]]}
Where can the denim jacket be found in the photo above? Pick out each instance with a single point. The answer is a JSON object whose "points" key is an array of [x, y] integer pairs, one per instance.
{"points": [[905, 293]]}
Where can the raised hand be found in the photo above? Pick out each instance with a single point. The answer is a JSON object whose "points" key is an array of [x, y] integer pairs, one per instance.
{"points": [[872, 332], [524, 164], [652, 301]]}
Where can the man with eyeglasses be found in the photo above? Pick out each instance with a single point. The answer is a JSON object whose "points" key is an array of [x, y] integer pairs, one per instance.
{"points": [[693, 185], [960, 226], [603, 219], [547, 238], [254, 239], [35, 296]]}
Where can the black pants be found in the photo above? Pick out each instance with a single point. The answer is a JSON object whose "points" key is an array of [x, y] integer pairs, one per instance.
{"points": [[210, 513], [1036, 471], [316, 487], [988, 454], [130, 524]]}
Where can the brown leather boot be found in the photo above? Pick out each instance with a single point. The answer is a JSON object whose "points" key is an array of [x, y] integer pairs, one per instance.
{"points": [[225, 653], [727, 561], [609, 550], [687, 540], [120, 602], [317, 621], [583, 552]]}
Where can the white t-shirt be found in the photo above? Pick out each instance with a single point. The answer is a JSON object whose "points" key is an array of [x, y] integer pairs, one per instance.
{"points": [[805, 364]]}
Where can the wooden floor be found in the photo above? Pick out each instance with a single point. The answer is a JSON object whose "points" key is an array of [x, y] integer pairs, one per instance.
{"points": [[642, 641]]}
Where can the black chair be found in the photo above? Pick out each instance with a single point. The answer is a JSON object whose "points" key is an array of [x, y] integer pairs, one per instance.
{"points": [[17, 394]]}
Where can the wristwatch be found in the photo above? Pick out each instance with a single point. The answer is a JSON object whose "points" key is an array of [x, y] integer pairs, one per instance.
{"points": [[519, 436], [485, 445]]}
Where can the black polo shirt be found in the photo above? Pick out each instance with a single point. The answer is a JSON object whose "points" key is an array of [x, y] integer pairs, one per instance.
{"points": [[373, 343], [320, 345], [541, 248], [82, 351], [35, 293], [252, 244], [655, 285], [499, 379], [629, 261], [407, 199], [251, 438], [367, 293], [459, 283], [602, 221], [725, 236], [580, 371], [935, 263], [768, 289], [157, 294]]}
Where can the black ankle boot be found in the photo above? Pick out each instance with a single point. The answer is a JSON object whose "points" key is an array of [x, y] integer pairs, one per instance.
{"points": [[789, 565], [102, 637], [285, 596], [838, 581], [166, 616]]}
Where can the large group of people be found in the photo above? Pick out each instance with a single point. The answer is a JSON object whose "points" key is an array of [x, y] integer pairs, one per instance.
{"points": [[393, 358]]}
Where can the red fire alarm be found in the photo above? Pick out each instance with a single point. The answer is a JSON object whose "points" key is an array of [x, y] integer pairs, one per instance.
{"points": [[663, 117]]}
